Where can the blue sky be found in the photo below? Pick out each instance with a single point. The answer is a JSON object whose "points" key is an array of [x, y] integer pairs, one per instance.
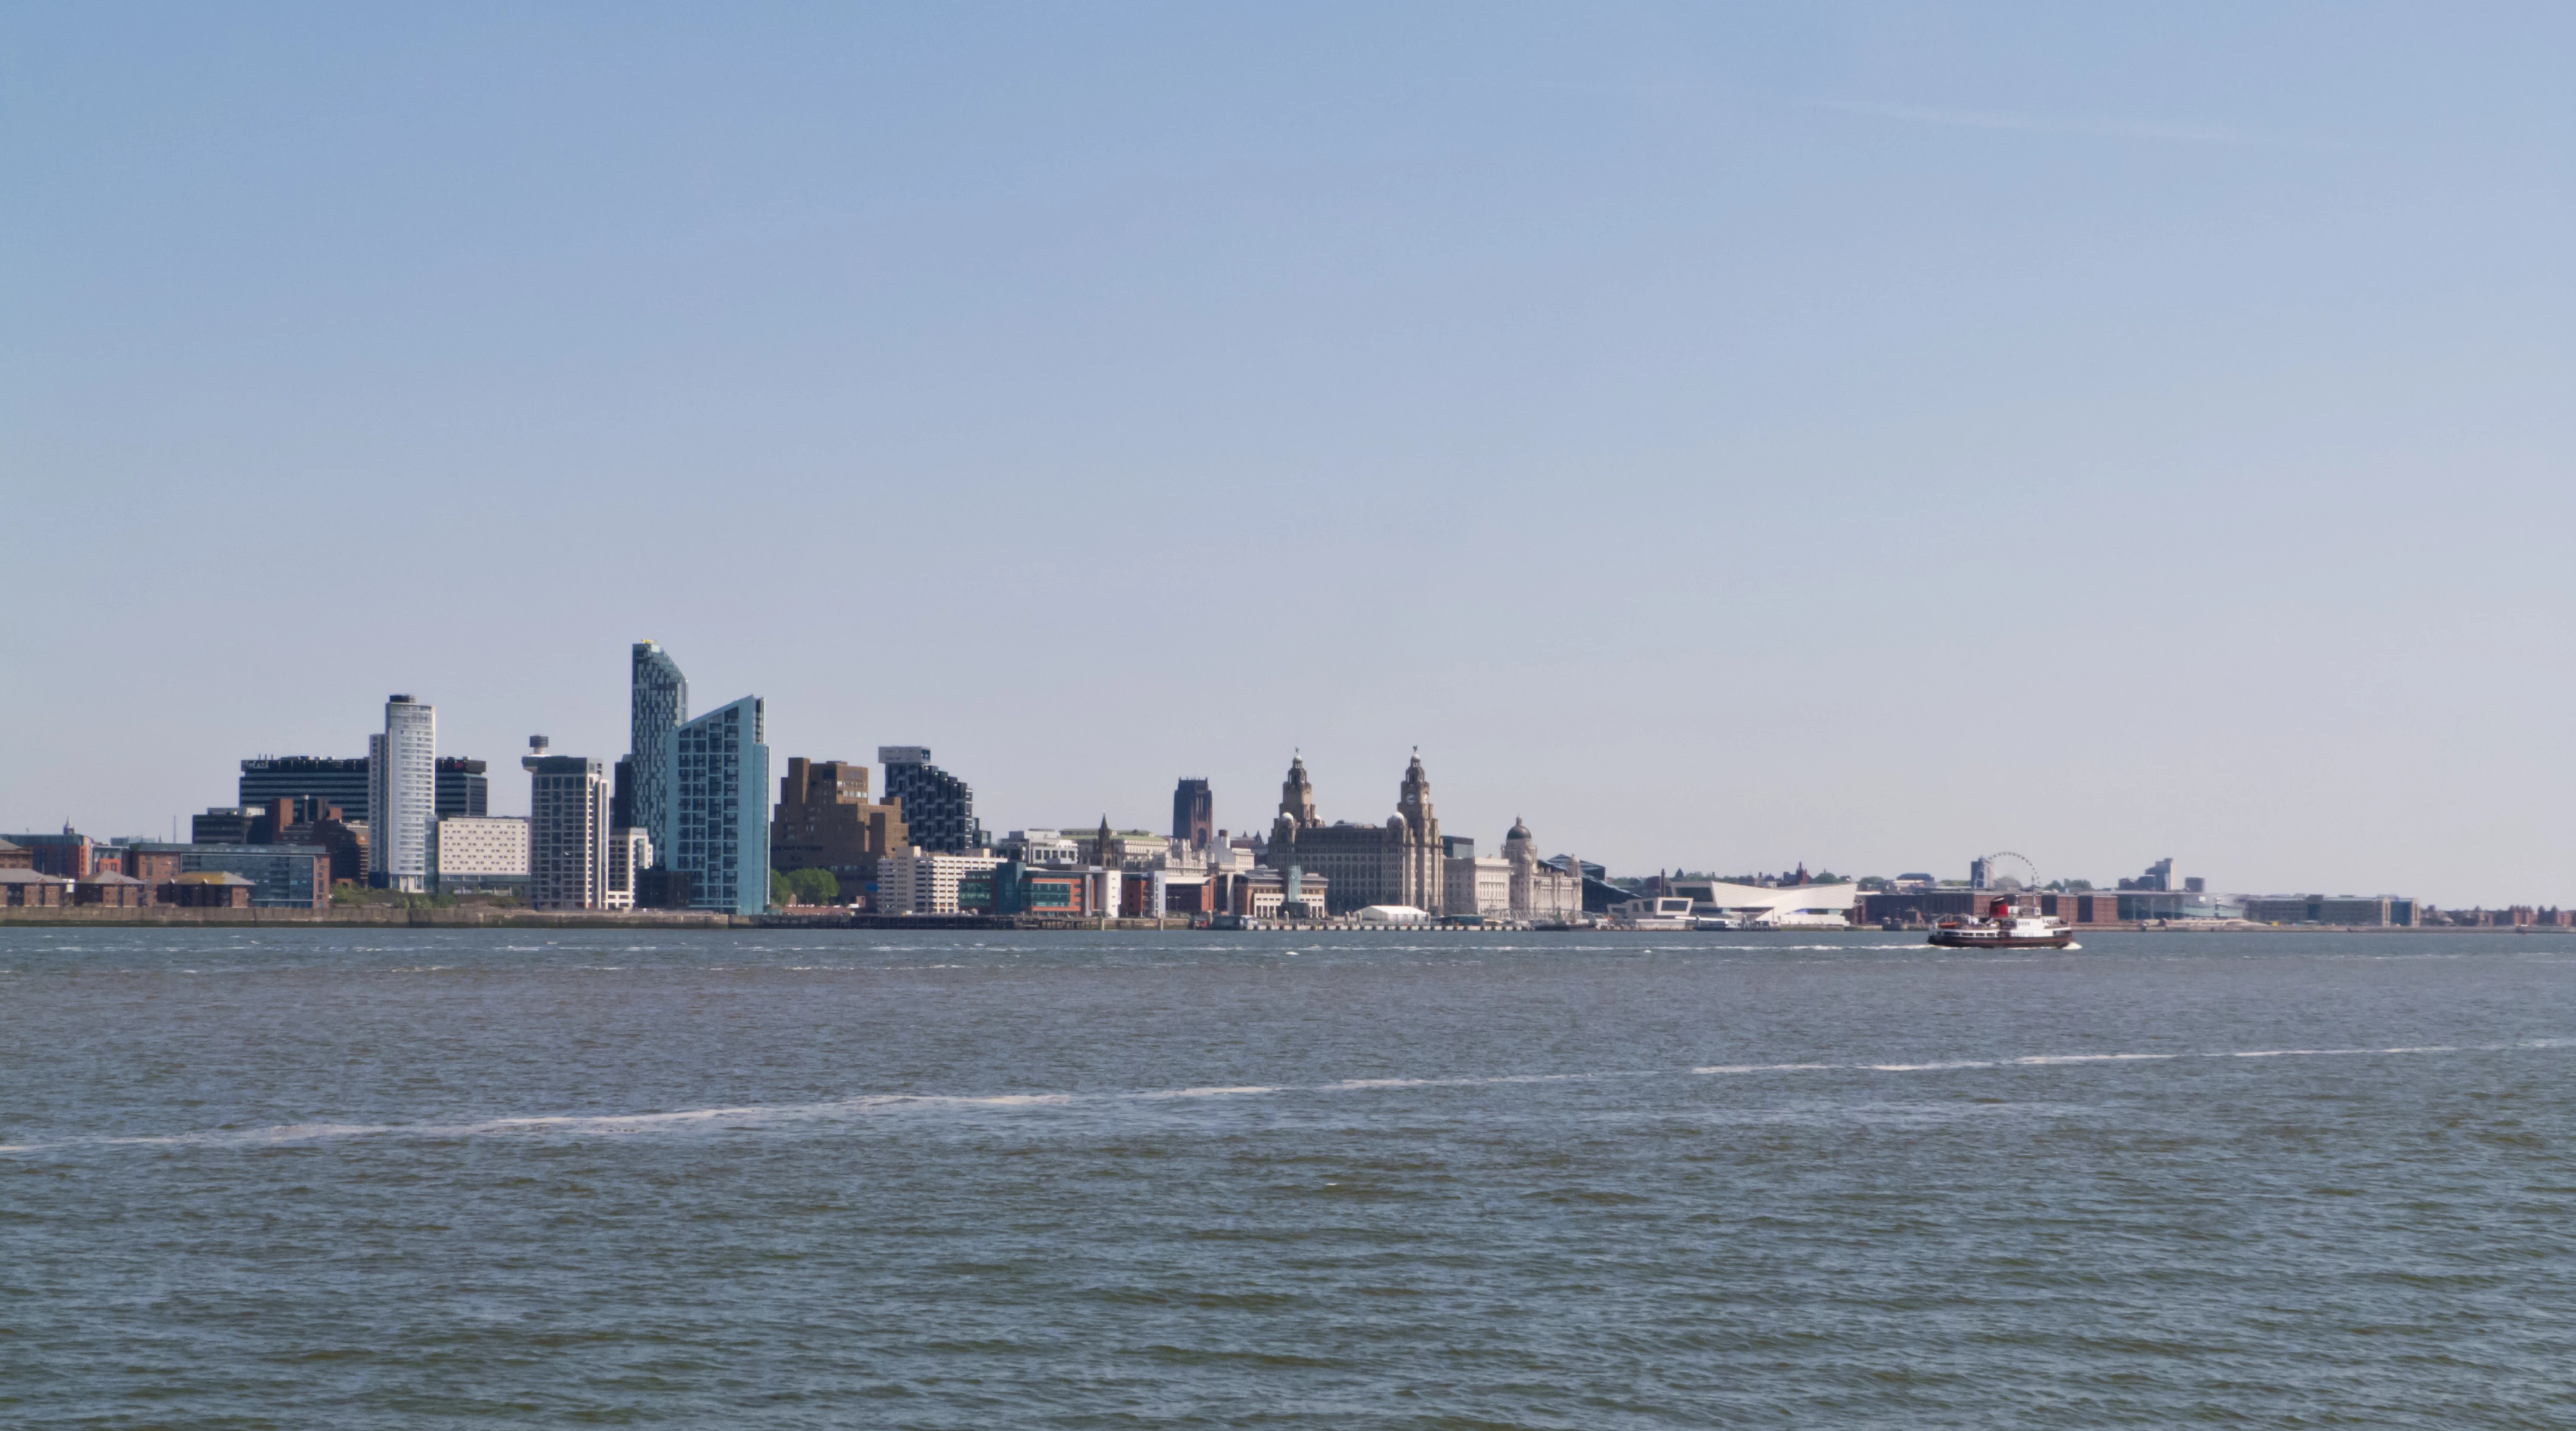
{"points": [[1865, 434]]}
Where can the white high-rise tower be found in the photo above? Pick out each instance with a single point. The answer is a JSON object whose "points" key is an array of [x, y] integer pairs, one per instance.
{"points": [[402, 795]]}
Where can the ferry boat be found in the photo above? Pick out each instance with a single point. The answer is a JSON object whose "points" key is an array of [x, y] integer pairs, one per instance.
{"points": [[2004, 927], [1653, 912]]}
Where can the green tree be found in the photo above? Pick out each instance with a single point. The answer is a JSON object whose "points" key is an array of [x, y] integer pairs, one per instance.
{"points": [[803, 887]]}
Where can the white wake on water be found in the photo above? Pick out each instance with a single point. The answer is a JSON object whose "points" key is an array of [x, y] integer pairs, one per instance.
{"points": [[755, 1116]]}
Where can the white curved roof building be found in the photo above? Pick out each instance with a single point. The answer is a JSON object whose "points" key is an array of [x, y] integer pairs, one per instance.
{"points": [[1788, 904]]}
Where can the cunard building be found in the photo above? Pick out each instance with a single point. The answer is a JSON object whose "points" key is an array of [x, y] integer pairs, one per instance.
{"points": [[1394, 863]]}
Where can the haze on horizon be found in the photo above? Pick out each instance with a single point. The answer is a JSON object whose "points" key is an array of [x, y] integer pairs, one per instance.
{"points": [[1862, 434]]}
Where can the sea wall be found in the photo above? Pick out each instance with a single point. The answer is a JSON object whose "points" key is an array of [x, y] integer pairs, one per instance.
{"points": [[378, 915]]}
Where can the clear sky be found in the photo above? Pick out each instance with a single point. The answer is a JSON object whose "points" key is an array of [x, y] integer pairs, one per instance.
{"points": [[1726, 436]]}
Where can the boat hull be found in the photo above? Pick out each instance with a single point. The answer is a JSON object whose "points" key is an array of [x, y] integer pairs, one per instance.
{"points": [[1967, 939]]}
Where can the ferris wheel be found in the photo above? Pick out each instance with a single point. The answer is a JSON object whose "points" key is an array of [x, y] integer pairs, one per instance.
{"points": [[1998, 871]]}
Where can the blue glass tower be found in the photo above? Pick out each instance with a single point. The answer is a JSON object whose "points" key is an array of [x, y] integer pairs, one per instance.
{"points": [[718, 822], [657, 703]]}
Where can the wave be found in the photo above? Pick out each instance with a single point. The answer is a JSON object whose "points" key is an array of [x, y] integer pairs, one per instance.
{"points": [[2041, 1060], [770, 1115]]}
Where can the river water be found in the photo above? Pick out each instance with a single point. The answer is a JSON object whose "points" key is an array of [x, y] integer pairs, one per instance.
{"points": [[462, 1178]]}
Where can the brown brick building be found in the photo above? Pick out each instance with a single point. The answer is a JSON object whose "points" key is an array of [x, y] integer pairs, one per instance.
{"points": [[33, 889], [825, 821]]}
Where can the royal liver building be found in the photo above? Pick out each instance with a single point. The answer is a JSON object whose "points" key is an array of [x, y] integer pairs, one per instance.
{"points": [[1394, 863]]}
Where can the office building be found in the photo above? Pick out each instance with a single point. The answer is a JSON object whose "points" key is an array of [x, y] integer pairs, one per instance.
{"points": [[1044, 848], [281, 876], [291, 820], [311, 780], [70, 855], [223, 825], [1397, 863], [719, 807], [1126, 849], [1473, 888], [1194, 814], [1540, 892], [938, 808], [658, 886], [15, 856], [1265, 894], [402, 795], [919, 881], [621, 794], [825, 821], [630, 855], [2341, 909], [567, 829], [461, 787], [657, 704], [1046, 890], [480, 854]]}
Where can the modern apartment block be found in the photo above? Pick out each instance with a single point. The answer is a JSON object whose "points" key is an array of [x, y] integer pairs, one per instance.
{"points": [[657, 705], [402, 795], [567, 830], [1194, 813], [718, 826], [938, 808], [480, 854]]}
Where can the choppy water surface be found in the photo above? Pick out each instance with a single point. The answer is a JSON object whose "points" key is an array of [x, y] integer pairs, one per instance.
{"points": [[460, 1178]]}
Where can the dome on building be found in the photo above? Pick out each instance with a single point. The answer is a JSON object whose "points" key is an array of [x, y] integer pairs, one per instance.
{"points": [[1519, 831]]}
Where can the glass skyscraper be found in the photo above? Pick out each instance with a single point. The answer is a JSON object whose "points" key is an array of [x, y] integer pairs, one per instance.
{"points": [[658, 703], [719, 807]]}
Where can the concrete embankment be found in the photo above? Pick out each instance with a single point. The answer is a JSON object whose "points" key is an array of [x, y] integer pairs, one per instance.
{"points": [[378, 916]]}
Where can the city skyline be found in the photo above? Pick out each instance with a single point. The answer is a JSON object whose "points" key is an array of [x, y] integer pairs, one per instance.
{"points": [[655, 673], [1676, 424]]}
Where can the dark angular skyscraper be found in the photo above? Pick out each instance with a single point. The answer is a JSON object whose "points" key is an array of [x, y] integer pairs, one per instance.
{"points": [[938, 808], [1194, 813], [659, 705]]}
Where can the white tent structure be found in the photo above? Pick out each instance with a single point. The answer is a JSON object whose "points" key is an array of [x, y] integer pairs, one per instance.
{"points": [[1788, 906]]}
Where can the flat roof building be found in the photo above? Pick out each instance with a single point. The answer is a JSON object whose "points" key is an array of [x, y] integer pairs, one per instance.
{"points": [[322, 780], [480, 854], [568, 798]]}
